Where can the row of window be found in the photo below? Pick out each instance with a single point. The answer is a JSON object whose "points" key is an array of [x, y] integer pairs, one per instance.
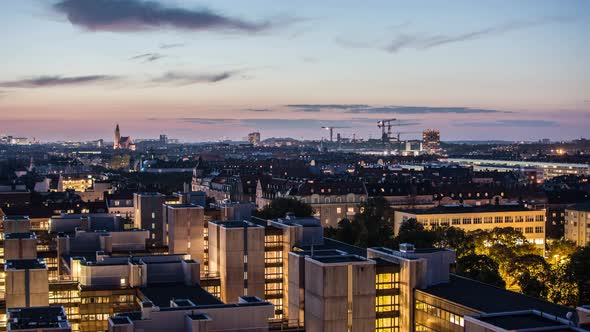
{"points": [[440, 313], [480, 220]]}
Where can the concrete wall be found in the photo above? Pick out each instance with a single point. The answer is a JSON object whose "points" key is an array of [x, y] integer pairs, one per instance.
{"points": [[24, 248], [149, 215], [27, 288], [185, 231]]}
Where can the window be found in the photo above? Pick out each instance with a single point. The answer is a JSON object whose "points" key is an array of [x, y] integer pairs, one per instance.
{"points": [[532, 218], [519, 219], [350, 210], [466, 221], [528, 230], [122, 281], [539, 229], [477, 220], [539, 217], [456, 221], [153, 215], [338, 210], [508, 219], [487, 220], [498, 220]]}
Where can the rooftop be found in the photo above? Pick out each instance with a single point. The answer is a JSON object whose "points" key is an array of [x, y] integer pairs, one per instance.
{"points": [[184, 206], [519, 320], [444, 209], [339, 259], [25, 264], [162, 294], [234, 224], [16, 218], [476, 295], [29, 235], [36, 318], [580, 207]]}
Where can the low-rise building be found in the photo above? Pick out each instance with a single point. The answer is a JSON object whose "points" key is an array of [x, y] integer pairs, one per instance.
{"points": [[577, 224]]}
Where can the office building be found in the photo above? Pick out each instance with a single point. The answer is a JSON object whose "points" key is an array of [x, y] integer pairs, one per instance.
{"points": [[577, 224], [26, 283], [530, 222], [149, 215]]}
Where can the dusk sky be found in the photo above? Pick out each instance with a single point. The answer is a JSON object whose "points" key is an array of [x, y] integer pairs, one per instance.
{"points": [[195, 70]]}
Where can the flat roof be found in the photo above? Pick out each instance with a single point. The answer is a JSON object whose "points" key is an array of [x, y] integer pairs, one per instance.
{"points": [[234, 224], [489, 299], [162, 294], [15, 218], [183, 205], [339, 259], [444, 209], [519, 320], [120, 320], [36, 318], [337, 245], [28, 235], [25, 264], [580, 207]]}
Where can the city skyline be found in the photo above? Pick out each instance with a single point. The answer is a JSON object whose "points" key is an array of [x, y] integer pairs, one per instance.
{"points": [[201, 71]]}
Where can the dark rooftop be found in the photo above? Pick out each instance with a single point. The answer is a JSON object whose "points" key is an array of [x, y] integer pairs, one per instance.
{"points": [[17, 218], [183, 205], [490, 299], [339, 259], [330, 244], [120, 320], [162, 294], [29, 235], [442, 209], [36, 318], [519, 320], [25, 264], [580, 207], [198, 316], [234, 224]]}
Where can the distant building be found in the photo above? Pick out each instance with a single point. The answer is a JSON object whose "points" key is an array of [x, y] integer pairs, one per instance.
{"points": [[529, 222], [577, 224], [431, 140], [254, 138], [123, 142]]}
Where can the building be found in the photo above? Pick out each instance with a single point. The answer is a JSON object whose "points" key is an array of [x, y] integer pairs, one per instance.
{"points": [[532, 320], [27, 283], [577, 224], [254, 138], [149, 215], [122, 142], [37, 319], [236, 254], [530, 222], [431, 140], [547, 170], [184, 225]]}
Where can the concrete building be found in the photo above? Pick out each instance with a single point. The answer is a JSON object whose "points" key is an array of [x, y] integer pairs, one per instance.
{"points": [[20, 246], [254, 138], [26, 283], [430, 140], [37, 319], [530, 222], [16, 224], [149, 215], [184, 224], [531, 320], [577, 224], [236, 254], [339, 293], [197, 313]]}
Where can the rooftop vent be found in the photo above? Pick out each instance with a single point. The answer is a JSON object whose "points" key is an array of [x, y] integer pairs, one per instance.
{"points": [[406, 247]]}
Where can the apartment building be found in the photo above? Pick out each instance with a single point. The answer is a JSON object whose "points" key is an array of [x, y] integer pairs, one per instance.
{"points": [[577, 224], [530, 222]]}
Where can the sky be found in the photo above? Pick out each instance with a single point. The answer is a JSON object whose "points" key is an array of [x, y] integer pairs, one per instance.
{"points": [[201, 71]]}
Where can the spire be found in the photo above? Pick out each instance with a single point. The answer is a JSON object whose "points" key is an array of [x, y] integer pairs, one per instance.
{"points": [[117, 137]]}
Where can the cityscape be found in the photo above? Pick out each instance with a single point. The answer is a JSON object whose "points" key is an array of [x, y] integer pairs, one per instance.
{"points": [[387, 166]]}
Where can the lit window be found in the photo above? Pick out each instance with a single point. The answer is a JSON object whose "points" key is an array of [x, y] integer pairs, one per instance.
{"points": [[122, 281], [153, 215]]}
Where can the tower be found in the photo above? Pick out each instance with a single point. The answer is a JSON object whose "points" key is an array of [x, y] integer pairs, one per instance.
{"points": [[117, 137]]}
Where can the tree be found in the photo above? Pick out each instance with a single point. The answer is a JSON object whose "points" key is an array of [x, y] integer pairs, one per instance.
{"points": [[279, 207], [563, 288], [456, 239], [374, 224], [579, 268], [481, 268], [345, 232], [560, 249], [531, 274], [411, 231]]}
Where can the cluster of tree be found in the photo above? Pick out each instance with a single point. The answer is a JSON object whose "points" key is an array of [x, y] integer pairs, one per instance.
{"points": [[279, 207], [501, 257]]}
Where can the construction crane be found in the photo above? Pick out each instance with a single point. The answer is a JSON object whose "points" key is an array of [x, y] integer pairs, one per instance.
{"points": [[331, 129], [385, 123], [406, 132]]}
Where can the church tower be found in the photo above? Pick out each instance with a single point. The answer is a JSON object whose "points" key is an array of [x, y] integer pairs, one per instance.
{"points": [[117, 137]]}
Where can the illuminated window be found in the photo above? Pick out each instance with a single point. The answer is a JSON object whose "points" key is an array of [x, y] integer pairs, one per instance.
{"points": [[122, 281], [338, 210]]}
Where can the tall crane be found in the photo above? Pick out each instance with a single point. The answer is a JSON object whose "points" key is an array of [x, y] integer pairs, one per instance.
{"points": [[331, 129], [385, 123]]}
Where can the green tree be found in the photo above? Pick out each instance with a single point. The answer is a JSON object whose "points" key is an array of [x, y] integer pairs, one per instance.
{"points": [[579, 268], [279, 207], [481, 268], [411, 231], [560, 249], [531, 274], [563, 288], [456, 239], [374, 223]]}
